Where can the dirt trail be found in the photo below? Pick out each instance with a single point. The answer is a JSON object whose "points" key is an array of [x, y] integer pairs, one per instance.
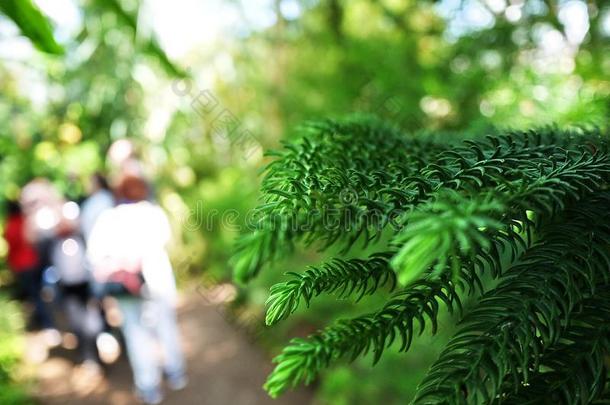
{"points": [[224, 367]]}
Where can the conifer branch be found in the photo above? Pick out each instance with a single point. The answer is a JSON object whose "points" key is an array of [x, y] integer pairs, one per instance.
{"points": [[302, 360], [455, 212], [504, 336], [348, 180], [362, 277], [454, 223], [573, 371]]}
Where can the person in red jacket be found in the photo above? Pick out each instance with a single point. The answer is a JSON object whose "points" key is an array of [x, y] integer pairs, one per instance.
{"points": [[24, 264], [22, 256]]}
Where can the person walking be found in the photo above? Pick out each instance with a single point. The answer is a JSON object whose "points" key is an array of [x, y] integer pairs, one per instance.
{"points": [[24, 263], [127, 249], [99, 200], [81, 308]]}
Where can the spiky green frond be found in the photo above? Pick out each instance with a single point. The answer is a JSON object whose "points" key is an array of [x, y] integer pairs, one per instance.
{"points": [[442, 230], [418, 304], [453, 223], [506, 334], [351, 178], [302, 360], [573, 371], [456, 212], [344, 277], [261, 246], [323, 188]]}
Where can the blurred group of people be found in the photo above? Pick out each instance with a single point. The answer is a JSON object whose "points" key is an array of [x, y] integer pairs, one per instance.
{"points": [[104, 263]]}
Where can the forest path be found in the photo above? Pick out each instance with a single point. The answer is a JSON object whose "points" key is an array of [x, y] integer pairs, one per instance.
{"points": [[224, 366]]}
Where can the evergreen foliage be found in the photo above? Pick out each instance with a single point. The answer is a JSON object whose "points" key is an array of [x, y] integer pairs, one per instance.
{"points": [[526, 208]]}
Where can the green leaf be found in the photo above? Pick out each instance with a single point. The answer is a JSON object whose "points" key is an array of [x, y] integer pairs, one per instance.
{"points": [[32, 24]]}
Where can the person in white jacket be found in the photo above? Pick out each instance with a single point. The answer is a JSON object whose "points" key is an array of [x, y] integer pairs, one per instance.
{"points": [[132, 237], [100, 199]]}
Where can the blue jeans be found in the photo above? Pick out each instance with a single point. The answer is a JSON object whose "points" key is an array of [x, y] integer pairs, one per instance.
{"points": [[146, 323], [30, 285], [84, 318]]}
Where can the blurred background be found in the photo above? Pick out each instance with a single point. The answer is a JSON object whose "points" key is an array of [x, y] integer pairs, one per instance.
{"points": [[202, 88]]}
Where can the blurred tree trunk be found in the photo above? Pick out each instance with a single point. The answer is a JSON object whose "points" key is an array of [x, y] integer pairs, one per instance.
{"points": [[335, 19]]}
